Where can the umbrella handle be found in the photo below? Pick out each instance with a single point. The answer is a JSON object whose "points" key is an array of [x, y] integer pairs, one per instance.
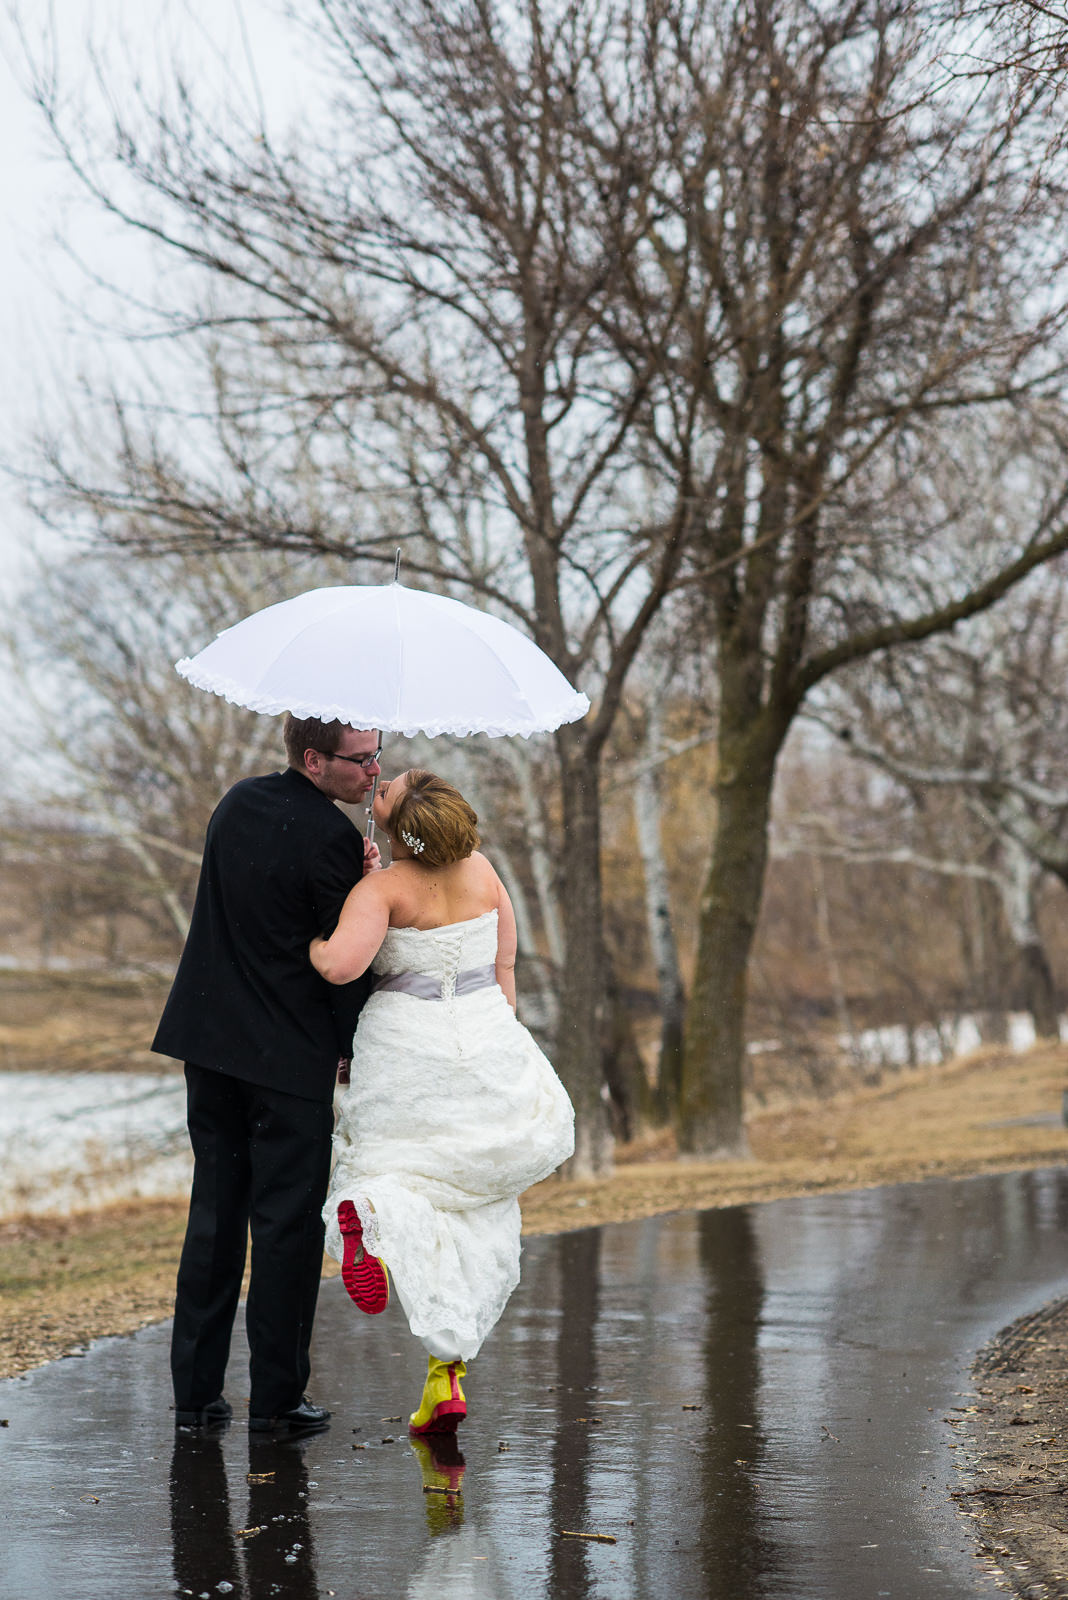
{"points": [[370, 835]]}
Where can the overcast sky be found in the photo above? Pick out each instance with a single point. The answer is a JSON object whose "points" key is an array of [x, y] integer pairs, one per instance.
{"points": [[234, 44]]}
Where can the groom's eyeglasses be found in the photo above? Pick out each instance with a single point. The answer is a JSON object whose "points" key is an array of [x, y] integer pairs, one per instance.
{"points": [[356, 761]]}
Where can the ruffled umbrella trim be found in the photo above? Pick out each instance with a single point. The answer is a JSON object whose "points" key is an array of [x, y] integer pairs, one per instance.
{"points": [[570, 709]]}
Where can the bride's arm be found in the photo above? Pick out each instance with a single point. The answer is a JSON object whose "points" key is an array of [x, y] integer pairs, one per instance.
{"points": [[507, 944], [360, 930]]}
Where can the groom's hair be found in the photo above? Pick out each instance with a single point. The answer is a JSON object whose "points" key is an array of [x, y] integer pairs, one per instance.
{"points": [[308, 733], [437, 815]]}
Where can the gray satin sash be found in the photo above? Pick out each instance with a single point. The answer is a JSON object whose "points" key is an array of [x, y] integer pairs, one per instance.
{"points": [[425, 987]]}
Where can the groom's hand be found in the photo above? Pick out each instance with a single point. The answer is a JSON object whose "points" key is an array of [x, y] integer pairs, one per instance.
{"points": [[344, 1069], [372, 857]]}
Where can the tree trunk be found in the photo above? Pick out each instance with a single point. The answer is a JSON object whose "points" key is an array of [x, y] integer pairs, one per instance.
{"points": [[572, 1456], [846, 1034], [1039, 994], [540, 981], [583, 996], [630, 1099], [710, 1119], [734, 1440], [648, 814], [1022, 915], [541, 850]]}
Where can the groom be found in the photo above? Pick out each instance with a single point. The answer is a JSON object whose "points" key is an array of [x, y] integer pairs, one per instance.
{"points": [[261, 1035]]}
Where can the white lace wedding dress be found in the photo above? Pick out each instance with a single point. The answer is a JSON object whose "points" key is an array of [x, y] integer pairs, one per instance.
{"points": [[452, 1112]]}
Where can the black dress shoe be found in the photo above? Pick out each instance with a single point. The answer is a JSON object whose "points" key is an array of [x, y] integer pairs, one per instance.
{"points": [[214, 1414], [305, 1418]]}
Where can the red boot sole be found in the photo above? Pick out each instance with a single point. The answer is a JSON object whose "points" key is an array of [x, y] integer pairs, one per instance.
{"points": [[366, 1281], [445, 1418]]}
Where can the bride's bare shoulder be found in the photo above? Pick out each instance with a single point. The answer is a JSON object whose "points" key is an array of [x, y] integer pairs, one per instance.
{"points": [[481, 868]]}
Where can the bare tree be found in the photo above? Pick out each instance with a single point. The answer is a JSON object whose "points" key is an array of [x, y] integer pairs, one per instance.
{"points": [[978, 721], [998, 862], [668, 722], [410, 312], [871, 300], [136, 760], [1022, 40]]}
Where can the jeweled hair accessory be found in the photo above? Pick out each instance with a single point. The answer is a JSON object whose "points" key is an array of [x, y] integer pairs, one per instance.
{"points": [[414, 843]]}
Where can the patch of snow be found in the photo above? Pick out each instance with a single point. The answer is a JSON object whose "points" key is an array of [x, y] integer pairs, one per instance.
{"points": [[77, 1140], [932, 1043]]}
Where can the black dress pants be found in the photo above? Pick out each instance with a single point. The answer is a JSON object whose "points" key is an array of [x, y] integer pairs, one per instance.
{"points": [[261, 1164]]}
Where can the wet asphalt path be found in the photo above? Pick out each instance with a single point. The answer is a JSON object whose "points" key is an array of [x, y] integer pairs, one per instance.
{"points": [[749, 1401]]}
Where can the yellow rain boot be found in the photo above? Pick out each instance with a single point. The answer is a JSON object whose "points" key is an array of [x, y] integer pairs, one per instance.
{"points": [[443, 1405]]}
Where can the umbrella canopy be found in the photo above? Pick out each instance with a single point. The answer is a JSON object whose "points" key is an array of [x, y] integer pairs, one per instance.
{"points": [[388, 657]]}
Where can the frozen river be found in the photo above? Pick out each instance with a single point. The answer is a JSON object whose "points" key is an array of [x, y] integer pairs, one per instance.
{"points": [[85, 1139]]}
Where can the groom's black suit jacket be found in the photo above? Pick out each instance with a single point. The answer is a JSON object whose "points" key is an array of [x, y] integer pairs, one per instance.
{"points": [[279, 859]]}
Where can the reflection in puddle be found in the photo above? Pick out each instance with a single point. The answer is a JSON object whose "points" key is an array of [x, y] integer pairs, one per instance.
{"points": [[442, 1464], [462, 1566], [738, 1550], [268, 1548]]}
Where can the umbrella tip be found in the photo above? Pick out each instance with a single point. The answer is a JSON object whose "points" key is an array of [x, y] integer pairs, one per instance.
{"points": [[396, 566]]}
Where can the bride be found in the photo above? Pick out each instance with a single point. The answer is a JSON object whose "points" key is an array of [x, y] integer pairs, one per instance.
{"points": [[453, 1110]]}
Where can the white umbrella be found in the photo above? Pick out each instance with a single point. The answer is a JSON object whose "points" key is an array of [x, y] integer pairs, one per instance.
{"points": [[387, 657]]}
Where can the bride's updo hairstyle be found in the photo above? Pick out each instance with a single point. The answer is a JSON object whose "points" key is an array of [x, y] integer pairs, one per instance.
{"points": [[437, 817]]}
